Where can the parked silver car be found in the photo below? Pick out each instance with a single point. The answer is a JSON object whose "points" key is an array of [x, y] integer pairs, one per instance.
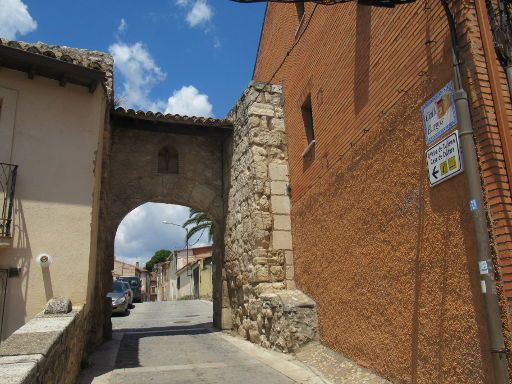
{"points": [[135, 285], [119, 297], [129, 291]]}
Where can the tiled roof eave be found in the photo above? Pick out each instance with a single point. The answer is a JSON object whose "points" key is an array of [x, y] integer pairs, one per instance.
{"points": [[170, 118], [64, 64]]}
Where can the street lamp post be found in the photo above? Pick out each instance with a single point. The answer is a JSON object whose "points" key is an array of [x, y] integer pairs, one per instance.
{"points": [[182, 227], [186, 241]]}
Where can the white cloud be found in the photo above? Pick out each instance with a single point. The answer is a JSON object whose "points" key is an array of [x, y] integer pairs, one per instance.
{"points": [[15, 19], [139, 73], [200, 13], [123, 25], [188, 101], [142, 232], [216, 42]]}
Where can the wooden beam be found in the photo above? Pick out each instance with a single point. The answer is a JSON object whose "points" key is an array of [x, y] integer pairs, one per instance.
{"points": [[63, 81], [31, 72], [33, 63], [93, 86], [122, 122]]}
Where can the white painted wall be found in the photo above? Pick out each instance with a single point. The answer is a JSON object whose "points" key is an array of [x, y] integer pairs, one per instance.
{"points": [[53, 138]]}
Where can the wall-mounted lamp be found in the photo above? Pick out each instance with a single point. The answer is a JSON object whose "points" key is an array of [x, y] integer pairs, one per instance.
{"points": [[43, 260]]}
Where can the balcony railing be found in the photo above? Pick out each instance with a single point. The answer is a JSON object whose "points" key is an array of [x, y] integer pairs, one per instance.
{"points": [[7, 187]]}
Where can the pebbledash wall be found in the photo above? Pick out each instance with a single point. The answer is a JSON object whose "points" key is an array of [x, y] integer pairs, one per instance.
{"points": [[41, 126], [389, 260]]}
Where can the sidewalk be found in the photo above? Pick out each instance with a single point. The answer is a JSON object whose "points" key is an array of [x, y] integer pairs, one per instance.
{"points": [[174, 343], [335, 367]]}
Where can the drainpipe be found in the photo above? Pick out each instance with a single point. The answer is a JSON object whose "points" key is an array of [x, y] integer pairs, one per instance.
{"points": [[472, 173], [486, 33], [508, 71]]}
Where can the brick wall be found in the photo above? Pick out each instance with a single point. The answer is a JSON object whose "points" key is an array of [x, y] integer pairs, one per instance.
{"points": [[389, 260]]}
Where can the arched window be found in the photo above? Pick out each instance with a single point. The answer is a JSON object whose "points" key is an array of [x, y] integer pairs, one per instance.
{"points": [[168, 160]]}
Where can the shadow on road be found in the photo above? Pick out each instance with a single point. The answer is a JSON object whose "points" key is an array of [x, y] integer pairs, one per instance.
{"points": [[128, 354], [121, 314]]}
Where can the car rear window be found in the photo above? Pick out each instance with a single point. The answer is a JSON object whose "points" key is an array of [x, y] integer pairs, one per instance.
{"points": [[118, 286], [133, 281]]}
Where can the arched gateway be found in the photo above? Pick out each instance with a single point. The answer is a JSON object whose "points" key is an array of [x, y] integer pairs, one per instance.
{"points": [[167, 159], [234, 169]]}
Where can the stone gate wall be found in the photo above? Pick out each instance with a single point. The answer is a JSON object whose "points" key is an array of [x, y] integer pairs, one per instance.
{"points": [[266, 307]]}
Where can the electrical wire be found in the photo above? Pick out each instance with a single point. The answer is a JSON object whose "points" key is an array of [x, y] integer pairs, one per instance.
{"points": [[374, 3], [199, 238]]}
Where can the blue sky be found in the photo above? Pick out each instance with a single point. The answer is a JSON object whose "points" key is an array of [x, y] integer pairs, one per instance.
{"points": [[192, 57], [208, 44]]}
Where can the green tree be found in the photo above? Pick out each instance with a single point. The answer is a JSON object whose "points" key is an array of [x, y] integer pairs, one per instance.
{"points": [[158, 257], [200, 222]]}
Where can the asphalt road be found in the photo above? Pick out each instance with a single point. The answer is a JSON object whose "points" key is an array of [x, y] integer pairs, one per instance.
{"points": [[174, 342]]}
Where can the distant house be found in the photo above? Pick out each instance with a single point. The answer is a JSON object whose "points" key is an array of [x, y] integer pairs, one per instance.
{"points": [[122, 268], [194, 280], [162, 280], [152, 286], [145, 284], [186, 275]]}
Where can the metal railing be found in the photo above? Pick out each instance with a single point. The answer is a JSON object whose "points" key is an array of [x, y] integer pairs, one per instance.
{"points": [[7, 187]]}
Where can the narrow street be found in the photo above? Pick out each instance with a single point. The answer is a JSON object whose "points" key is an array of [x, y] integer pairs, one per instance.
{"points": [[174, 342]]}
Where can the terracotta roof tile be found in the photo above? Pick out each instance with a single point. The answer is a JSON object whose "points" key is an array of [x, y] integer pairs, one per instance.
{"points": [[170, 118], [96, 60]]}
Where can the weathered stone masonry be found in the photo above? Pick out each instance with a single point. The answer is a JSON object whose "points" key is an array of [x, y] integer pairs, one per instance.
{"points": [[241, 180], [266, 308]]}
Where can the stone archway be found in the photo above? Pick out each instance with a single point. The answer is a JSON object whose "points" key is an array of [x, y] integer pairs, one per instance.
{"points": [[134, 174], [236, 170]]}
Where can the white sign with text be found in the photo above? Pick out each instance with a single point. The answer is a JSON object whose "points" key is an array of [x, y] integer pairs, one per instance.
{"points": [[444, 159]]}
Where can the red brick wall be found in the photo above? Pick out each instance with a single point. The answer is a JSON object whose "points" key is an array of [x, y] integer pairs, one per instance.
{"points": [[389, 260]]}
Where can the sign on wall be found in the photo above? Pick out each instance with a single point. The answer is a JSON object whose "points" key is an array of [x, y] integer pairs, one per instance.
{"points": [[439, 114], [444, 160]]}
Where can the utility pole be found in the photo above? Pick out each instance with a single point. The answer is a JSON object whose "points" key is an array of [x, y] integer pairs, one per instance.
{"points": [[478, 214]]}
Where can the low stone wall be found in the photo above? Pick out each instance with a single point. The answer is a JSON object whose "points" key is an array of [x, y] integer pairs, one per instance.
{"points": [[265, 306], [48, 349]]}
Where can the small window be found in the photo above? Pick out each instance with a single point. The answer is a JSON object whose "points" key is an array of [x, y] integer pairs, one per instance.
{"points": [[168, 160], [307, 118], [178, 283], [299, 6]]}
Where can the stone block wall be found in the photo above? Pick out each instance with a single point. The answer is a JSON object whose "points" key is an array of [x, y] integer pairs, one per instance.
{"points": [[48, 349], [258, 259]]}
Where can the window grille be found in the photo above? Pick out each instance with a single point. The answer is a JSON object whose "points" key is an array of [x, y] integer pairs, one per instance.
{"points": [[7, 187]]}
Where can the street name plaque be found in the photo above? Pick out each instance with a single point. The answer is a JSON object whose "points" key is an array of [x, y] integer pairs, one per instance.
{"points": [[438, 114]]}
